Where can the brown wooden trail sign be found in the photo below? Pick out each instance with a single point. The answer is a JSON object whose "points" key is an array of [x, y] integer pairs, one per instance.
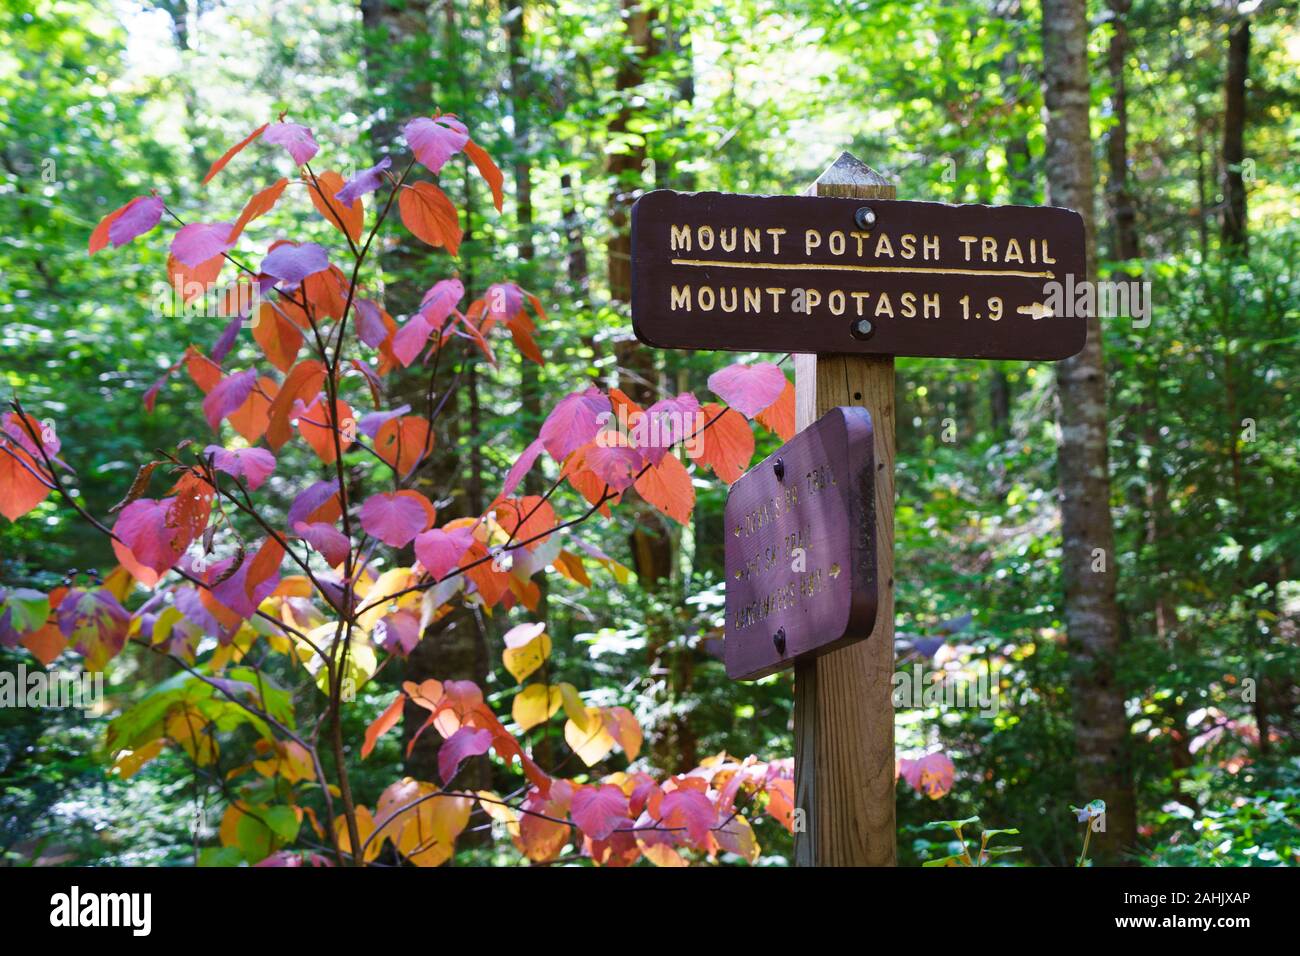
{"points": [[801, 548], [991, 304], [825, 274]]}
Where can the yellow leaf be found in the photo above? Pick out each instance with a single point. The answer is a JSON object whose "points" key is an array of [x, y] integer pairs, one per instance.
{"points": [[129, 762], [535, 704], [522, 661], [186, 728], [365, 827], [592, 744], [573, 705]]}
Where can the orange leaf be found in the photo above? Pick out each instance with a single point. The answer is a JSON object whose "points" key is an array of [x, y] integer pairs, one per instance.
{"points": [[205, 372], [383, 724], [779, 416], [20, 490], [192, 283], [317, 427], [259, 205], [334, 211], [525, 518], [304, 381], [430, 215], [46, 642], [232, 152], [265, 563], [668, 487], [278, 337], [402, 442], [487, 169], [251, 418], [728, 442]]}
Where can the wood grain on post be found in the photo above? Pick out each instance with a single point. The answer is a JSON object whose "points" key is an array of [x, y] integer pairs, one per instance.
{"points": [[843, 709]]}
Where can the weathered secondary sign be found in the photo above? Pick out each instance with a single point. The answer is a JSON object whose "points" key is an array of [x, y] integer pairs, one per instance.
{"points": [[801, 548], [817, 274]]}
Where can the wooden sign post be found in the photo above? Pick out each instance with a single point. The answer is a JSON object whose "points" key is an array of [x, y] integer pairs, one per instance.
{"points": [[843, 703], [846, 277]]}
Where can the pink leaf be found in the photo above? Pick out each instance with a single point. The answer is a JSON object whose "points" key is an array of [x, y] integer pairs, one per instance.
{"points": [[252, 465], [598, 811], [199, 242], [441, 300], [690, 809], [505, 300], [523, 464], [395, 518], [136, 218], [295, 138], [142, 529], [292, 263], [931, 775], [749, 389], [411, 338], [521, 634], [370, 323], [667, 422], [456, 749], [312, 501], [613, 463], [332, 544], [228, 395], [440, 551], [363, 183], [434, 141], [574, 422]]}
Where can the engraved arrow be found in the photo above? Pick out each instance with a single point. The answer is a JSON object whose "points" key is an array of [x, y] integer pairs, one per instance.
{"points": [[1036, 310]]}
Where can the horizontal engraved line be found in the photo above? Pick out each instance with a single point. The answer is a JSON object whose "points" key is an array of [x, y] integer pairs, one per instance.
{"points": [[848, 267]]}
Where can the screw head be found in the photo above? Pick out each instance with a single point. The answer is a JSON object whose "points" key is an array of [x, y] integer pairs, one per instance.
{"points": [[778, 466], [865, 217], [778, 640], [861, 329]]}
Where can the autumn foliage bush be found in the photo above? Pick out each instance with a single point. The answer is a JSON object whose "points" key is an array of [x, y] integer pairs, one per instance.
{"points": [[211, 574]]}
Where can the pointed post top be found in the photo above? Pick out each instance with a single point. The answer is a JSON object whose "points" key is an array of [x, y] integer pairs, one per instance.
{"points": [[849, 176]]}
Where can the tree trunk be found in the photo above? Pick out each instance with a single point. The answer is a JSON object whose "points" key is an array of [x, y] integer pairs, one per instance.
{"points": [[530, 386], [1092, 617], [400, 42], [1120, 197], [1234, 144]]}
